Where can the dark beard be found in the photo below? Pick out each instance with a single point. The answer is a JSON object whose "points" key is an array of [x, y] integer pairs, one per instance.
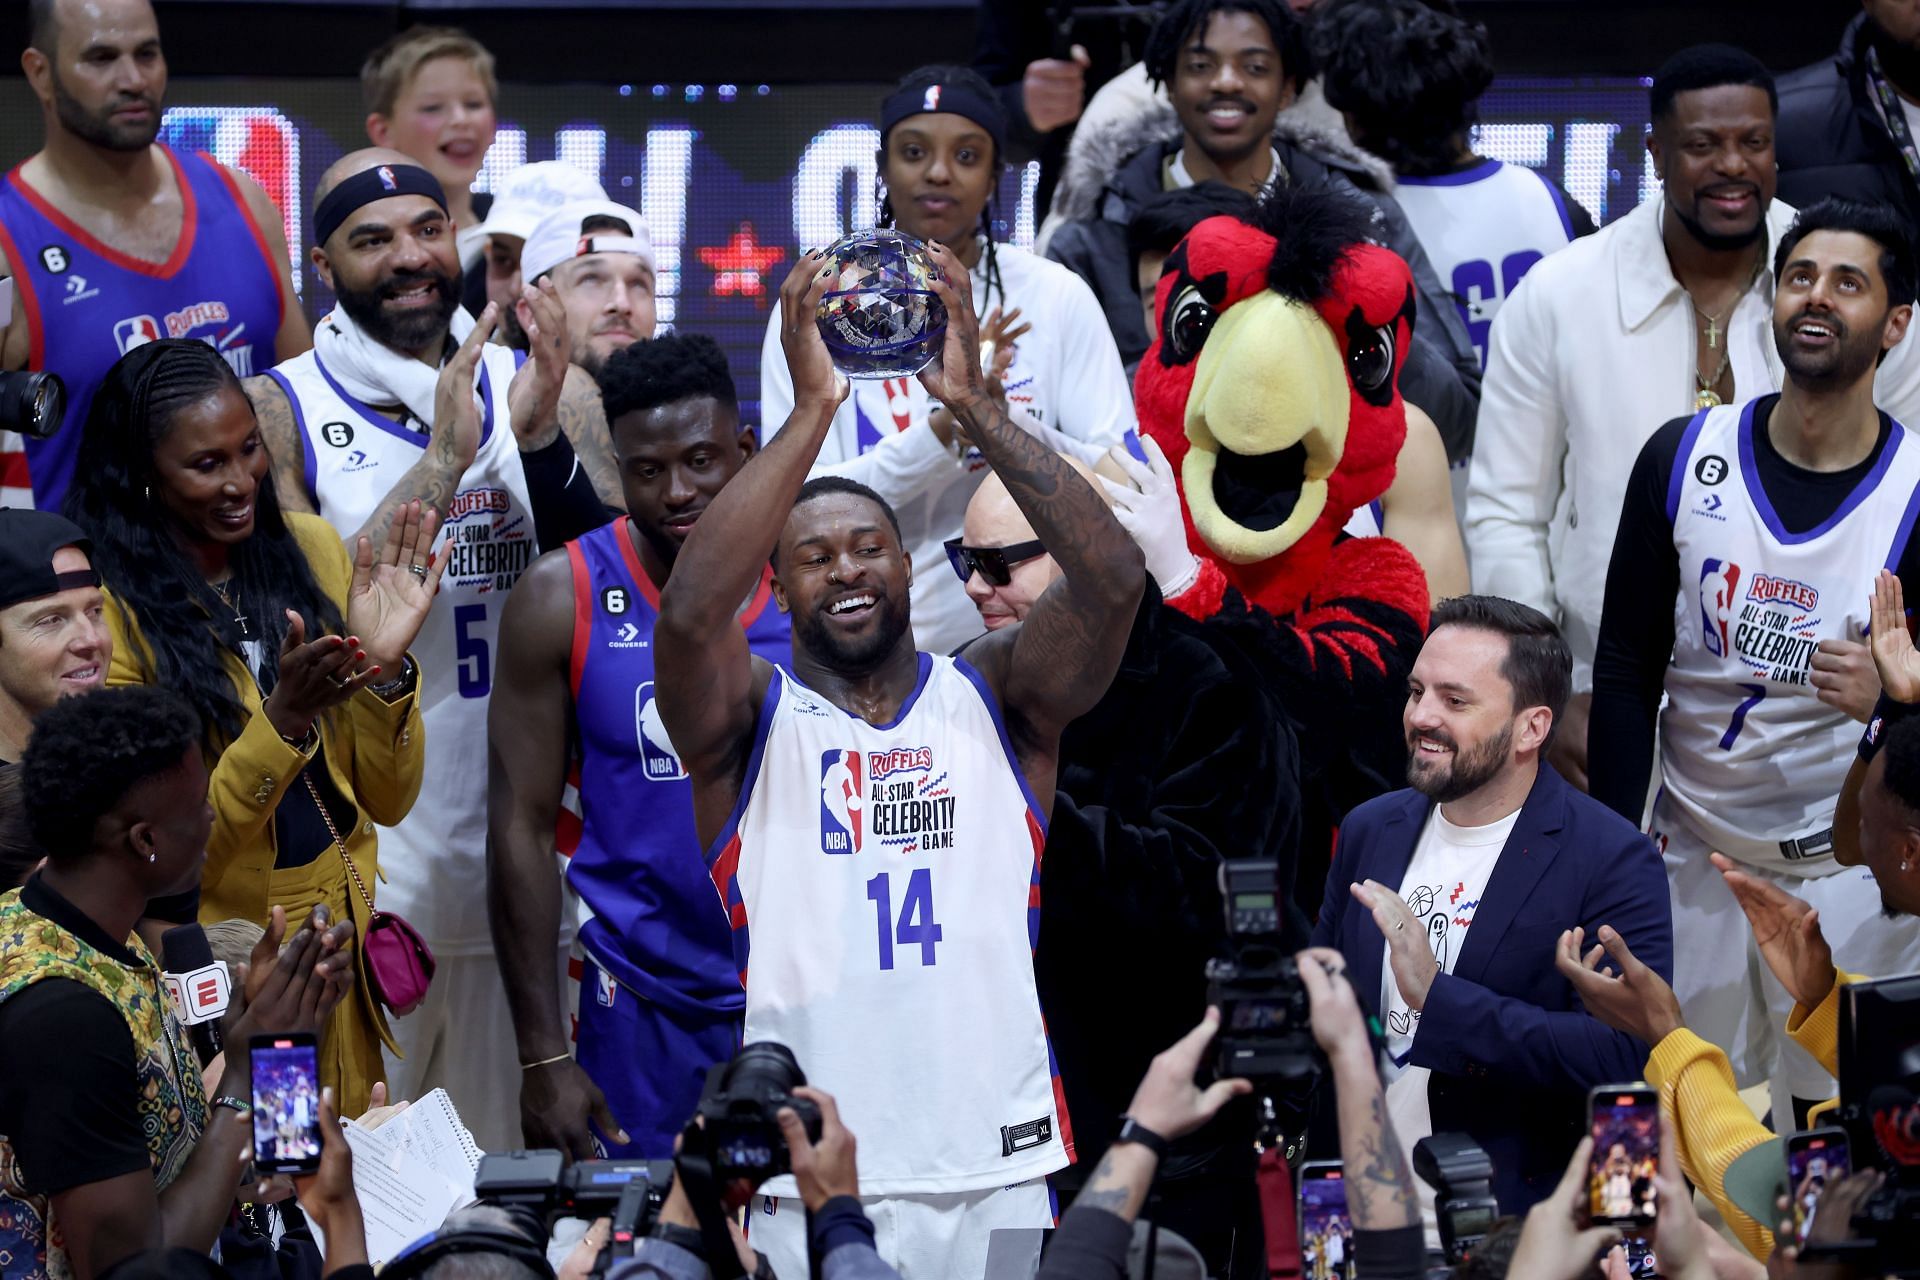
{"points": [[1470, 771], [852, 658], [99, 130], [1850, 359], [413, 332], [1715, 242]]}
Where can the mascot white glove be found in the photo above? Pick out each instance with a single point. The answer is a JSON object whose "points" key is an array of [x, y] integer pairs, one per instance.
{"points": [[1149, 510]]}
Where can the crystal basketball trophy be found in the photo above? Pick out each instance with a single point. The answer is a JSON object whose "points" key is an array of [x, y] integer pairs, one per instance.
{"points": [[881, 318]]}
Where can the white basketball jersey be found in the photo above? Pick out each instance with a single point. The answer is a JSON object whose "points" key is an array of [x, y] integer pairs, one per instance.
{"points": [[890, 879], [434, 862], [1483, 229], [1748, 753]]}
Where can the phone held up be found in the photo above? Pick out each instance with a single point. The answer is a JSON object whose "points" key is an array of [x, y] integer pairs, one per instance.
{"points": [[1624, 1120], [286, 1103], [1816, 1159], [1326, 1228]]}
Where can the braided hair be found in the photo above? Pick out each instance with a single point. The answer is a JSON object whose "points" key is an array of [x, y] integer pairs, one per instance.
{"points": [[925, 77], [187, 625]]}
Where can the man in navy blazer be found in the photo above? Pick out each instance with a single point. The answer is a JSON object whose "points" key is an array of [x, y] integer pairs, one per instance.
{"points": [[1447, 900]]}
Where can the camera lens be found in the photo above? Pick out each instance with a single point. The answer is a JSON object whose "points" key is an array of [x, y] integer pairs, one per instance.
{"points": [[764, 1069], [34, 404]]}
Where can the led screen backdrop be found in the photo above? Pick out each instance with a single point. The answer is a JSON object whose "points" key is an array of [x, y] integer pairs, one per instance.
{"points": [[735, 179]]}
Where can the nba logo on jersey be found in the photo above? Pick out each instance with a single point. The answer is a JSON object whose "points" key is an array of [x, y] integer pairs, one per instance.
{"points": [[659, 762], [604, 987], [137, 331], [840, 802], [1718, 578]]}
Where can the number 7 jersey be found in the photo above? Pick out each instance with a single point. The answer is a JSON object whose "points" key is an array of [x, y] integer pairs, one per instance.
{"points": [[883, 884], [1748, 752]]}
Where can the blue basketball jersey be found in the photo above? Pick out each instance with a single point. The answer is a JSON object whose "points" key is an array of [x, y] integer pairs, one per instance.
{"points": [[87, 304], [649, 914]]}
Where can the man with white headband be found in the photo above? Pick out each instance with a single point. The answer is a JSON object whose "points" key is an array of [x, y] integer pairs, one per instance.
{"points": [[600, 258], [381, 414]]}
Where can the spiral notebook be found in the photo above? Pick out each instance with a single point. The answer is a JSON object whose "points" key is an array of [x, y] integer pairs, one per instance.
{"points": [[411, 1172]]}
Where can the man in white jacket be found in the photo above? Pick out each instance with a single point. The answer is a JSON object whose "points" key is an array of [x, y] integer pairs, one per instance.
{"points": [[1665, 311]]}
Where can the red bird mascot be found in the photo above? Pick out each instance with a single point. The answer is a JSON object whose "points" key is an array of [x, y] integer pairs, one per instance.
{"points": [[1272, 387]]}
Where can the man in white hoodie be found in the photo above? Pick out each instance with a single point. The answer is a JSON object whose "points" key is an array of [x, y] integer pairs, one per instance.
{"points": [[1665, 311]]}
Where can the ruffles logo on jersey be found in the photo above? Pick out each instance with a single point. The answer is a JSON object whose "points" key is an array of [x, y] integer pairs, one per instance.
{"points": [[1771, 628], [882, 763], [842, 798], [1718, 580], [490, 546], [208, 321]]}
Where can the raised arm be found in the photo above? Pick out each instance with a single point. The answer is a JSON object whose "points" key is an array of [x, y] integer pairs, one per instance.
{"points": [[1061, 659], [709, 687]]}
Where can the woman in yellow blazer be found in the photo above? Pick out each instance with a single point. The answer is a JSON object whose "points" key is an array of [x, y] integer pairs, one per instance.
{"points": [[213, 591]]}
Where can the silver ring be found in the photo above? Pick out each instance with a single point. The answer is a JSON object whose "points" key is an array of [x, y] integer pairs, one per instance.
{"points": [[1398, 925], [417, 570], [336, 682]]}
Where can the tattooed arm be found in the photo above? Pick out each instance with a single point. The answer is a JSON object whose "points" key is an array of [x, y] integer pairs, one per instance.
{"points": [[1380, 1190], [281, 434], [1055, 665], [451, 443], [583, 419]]}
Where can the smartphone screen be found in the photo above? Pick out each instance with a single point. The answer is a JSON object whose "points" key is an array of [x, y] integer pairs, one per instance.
{"points": [[286, 1104], [1326, 1229], [1626, 1151], [1816, 1160]]}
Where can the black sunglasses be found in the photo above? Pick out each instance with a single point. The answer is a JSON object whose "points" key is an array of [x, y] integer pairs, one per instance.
{"points": [[994, 563]]}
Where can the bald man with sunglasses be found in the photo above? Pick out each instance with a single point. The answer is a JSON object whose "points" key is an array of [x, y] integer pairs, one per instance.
{"points": [[1156, 788]]}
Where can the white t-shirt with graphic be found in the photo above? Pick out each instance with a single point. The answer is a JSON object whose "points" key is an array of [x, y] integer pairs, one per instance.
{"points": [[1443, 885]]}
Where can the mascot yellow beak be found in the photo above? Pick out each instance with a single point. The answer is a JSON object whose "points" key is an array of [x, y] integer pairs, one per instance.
{"points": [[1267, 423]]}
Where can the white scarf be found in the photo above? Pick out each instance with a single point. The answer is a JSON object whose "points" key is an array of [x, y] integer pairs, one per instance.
{"points": [[378, 374]]}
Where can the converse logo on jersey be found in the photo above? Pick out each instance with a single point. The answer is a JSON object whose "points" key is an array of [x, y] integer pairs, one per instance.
{"points": [[359, 461], [627, 636], [77, 291]]}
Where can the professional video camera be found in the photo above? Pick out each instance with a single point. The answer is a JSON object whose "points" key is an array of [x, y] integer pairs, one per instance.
{"points": [[1266, 1030], [1461, 1175], [34, 404], [1880, 1109], [542, 1184], [739, 1131]]}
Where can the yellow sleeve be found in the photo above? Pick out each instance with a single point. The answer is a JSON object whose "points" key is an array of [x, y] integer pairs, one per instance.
{"points": [[1817, 1030], [244, 785], [1712, 1127], [389, 752]]}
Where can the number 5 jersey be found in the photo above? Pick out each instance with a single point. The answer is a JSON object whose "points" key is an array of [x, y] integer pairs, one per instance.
{"points": [[883, 884]]}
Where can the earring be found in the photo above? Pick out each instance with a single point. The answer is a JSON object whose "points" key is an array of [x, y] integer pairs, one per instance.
{"points": [[148, 490], [153, 855]]}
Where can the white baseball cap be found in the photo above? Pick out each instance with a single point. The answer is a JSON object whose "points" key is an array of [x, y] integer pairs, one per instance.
{"points": [[558, 237], [534, 190]]}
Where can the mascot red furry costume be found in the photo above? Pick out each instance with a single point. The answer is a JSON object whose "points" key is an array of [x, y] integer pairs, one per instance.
{"points": [[1272, 386]]}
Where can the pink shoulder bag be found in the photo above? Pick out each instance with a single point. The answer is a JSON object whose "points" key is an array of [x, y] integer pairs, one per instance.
{"points": [[399, 964]]}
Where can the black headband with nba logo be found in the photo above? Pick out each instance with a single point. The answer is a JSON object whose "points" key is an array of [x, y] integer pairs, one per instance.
{"points": [[955, 99], [363, 188]]}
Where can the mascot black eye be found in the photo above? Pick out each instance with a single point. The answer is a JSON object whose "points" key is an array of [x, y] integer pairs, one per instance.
{"points": [[1370, 361], [1189, 320]]}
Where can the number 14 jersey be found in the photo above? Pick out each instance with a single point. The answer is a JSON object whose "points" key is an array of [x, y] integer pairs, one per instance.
{"points": [[1748, 753], [890, 877]]}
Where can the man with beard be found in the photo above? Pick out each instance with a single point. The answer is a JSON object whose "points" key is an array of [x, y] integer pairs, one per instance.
{"points": [[1767, 523], [114, 240], [877, 817], [600, 258], [1447, 898], [1663, 312], [353, 430], [1848, 123]]}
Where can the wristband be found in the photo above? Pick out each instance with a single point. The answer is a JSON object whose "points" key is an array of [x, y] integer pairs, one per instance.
{"points": [[1132, 1130], [237, 1106]]}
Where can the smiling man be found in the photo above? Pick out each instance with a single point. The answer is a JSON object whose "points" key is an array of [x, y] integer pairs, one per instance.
{"points": [[53, 640], [356, 430], [659, 995], [1447, 899], [1767, 523]]}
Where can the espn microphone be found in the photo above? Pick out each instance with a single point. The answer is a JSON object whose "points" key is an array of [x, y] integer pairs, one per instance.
{"points": [[197, 984]]}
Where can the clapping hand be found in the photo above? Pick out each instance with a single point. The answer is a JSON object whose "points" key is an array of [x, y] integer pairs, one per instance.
{"points": [[1411, 954], [1894, 656], [1637, 1001], [390, 593], [291, 988], [454, 435], [315, 676], [1787, 932], [533, 401]]}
